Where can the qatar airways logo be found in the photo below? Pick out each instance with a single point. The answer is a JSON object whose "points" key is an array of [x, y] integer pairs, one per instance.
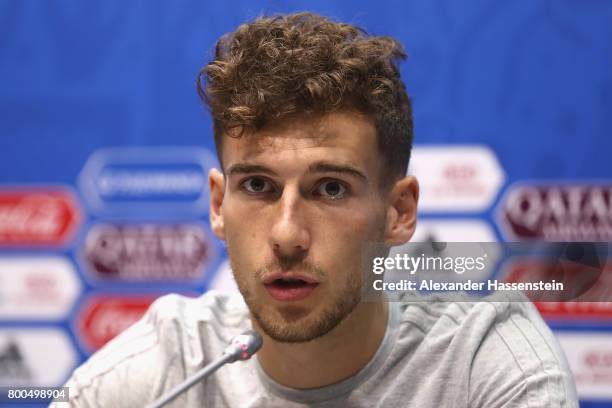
{"points": [[558, 212], [143, 251], [33, 217]]}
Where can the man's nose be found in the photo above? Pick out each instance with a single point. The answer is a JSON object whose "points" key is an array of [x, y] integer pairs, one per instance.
{"points": [[290, 234]]}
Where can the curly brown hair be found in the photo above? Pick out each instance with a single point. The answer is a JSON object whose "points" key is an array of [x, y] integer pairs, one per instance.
{"points": [[276, 66]]}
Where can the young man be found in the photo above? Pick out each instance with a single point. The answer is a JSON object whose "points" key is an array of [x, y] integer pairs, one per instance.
{"points": [[313, 130]]}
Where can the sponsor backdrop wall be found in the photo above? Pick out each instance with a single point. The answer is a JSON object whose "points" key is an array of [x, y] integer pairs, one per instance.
{"points": [[104, 151]]}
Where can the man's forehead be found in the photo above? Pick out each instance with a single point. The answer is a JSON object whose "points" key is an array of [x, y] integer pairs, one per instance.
{"points": [[347, 134]]}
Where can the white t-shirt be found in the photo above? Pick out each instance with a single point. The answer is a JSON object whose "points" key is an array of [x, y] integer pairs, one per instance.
{"points": [[434, 354]]}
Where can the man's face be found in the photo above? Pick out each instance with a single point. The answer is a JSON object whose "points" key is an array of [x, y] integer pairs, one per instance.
{"points": [[300, 198]]}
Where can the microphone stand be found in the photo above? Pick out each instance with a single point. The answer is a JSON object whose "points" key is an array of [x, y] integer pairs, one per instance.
{"points": [[242, 347], [203, 373]]}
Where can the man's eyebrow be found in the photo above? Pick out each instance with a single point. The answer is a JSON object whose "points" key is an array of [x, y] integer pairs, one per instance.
{"points": [[246, 168], [320, 167], [325, 167]]}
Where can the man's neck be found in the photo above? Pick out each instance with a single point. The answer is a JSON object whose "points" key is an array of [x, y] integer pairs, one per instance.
{"points": [[331, 358]]}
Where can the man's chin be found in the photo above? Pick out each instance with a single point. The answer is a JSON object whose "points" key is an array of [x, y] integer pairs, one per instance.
{"points": [[289, 326], [291, 332], [292, 314], [298, 325]]}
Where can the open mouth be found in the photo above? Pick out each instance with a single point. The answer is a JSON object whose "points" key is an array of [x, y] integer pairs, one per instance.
{"points": [[287, 283], [287, 289]]}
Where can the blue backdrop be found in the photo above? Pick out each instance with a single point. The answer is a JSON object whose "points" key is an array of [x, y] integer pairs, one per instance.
{"points": [[531, 80]]}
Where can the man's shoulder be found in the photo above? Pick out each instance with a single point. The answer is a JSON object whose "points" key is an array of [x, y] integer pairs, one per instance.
{"points": [[173, 320], [505, 346], [459, 312], [174, 337], [211, 308]]}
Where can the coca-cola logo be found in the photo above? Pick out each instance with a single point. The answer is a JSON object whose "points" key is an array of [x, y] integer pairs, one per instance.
{"points": [[578, 310], [147, 251], [582, 280], [106, 317], [37, 217], [558, 213]]}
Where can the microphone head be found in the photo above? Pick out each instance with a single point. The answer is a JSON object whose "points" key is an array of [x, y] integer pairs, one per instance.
{"points": [[243, 346]]}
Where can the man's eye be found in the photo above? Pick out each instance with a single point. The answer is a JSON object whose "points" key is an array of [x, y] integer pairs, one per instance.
{"points": [[331, 189], [257, 185]]}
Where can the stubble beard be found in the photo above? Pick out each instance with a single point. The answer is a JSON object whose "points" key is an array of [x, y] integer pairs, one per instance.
{"points": [[308, 327]]}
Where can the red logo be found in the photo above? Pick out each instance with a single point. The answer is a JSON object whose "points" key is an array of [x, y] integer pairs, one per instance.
{"points": [[559, 212], [585, 291], [578, 311], [599, 359], [460, 172], [37, 217], [105, 317]]}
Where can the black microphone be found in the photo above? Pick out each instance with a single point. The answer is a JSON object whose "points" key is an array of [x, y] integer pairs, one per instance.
{"points": [[241, 347]]}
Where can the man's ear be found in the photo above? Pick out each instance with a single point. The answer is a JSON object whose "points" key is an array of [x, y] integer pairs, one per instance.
{"points": [[402, 211], [216, 183]]}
